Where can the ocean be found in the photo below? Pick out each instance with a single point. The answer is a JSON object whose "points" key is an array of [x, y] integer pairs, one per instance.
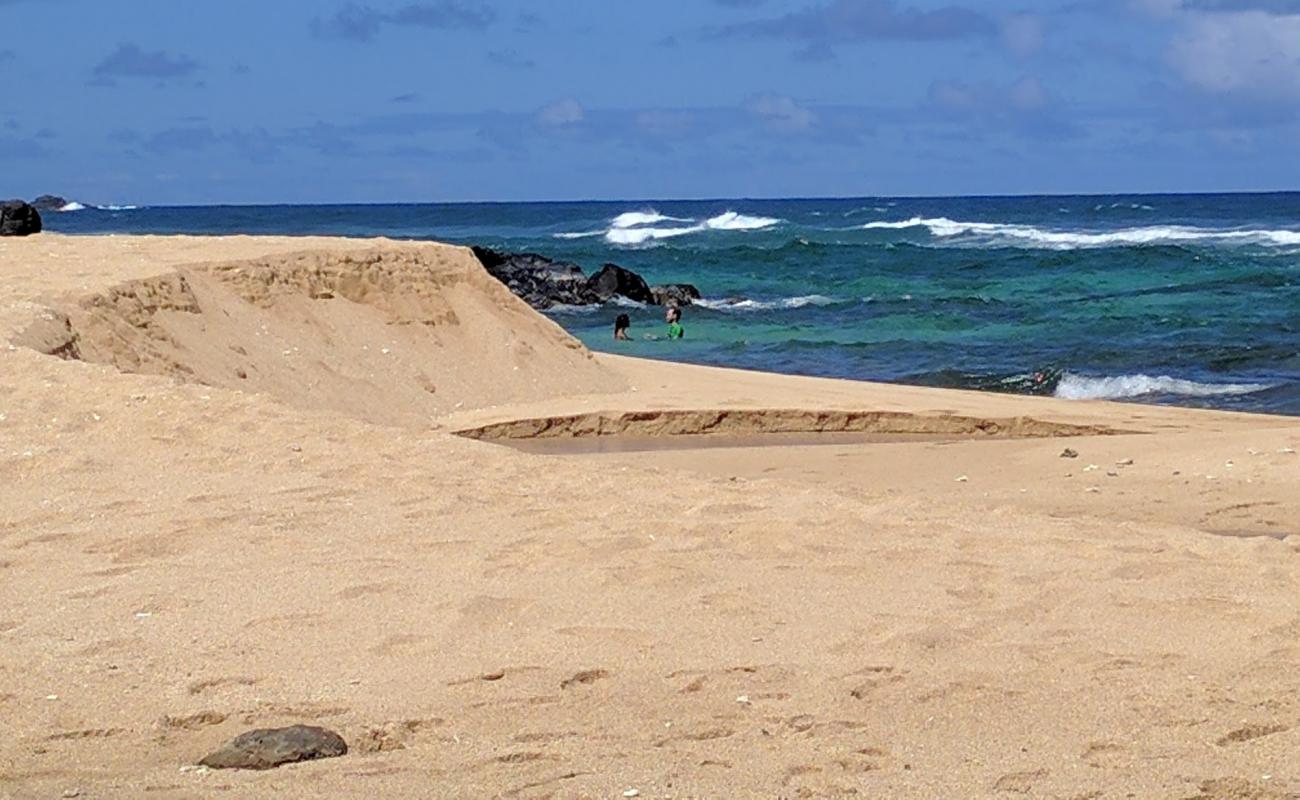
{"points": [[1181, 299]]}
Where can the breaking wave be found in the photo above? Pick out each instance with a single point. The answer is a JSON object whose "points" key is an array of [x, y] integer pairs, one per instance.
{"points": [[633, 228], [633, 219], [1030, 236], [1078, 387], [75, 206], [741, 304]]}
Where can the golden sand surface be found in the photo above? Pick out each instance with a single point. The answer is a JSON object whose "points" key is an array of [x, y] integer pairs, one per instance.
{"points": [[251, 482]]}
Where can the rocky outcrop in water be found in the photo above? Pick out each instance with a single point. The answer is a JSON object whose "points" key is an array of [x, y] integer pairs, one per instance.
{"points": [[541, 282], [49, 202], [544, 283], [613, 280], [18, 219], [675, 294]]}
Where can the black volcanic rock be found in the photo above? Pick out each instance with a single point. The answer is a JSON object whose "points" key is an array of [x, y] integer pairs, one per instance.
{"points": [[18, 219], [615, 280], [538, 280], [49, 202], [269, 748], [543, 283], [680, 294]]}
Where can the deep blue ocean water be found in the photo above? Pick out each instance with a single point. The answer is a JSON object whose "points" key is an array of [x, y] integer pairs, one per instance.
{"points": [[1186, 299]]}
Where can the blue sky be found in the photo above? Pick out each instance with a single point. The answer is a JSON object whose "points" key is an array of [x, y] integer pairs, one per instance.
{"points": [[246, 101]]}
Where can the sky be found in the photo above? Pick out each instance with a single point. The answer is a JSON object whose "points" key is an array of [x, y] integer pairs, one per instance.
{"points": [[335, 101]]}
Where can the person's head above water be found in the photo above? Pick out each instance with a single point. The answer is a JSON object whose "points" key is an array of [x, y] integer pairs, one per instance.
{"points": [[621, 324], [674, 314]]}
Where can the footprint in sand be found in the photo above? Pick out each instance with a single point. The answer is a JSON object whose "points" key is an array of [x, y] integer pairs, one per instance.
{"points": [[191, 722], [1249, 733], [208, 684], [1019, 782], [89, 733], [585, 677]]}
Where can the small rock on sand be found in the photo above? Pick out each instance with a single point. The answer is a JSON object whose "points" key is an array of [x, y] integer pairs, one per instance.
{"points": [[1069, 453], [269, 748]]}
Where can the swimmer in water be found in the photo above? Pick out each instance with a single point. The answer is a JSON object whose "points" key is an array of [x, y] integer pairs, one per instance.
{"points": [[674, 318]]}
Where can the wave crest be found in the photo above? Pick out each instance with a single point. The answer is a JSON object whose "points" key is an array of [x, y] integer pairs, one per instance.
{"points": [[1030, 236], [633, 228], [1079, 387], [738, 304]]}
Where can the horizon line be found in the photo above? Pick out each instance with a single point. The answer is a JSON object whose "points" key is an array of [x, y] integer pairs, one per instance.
{"points": [[799, 198]]}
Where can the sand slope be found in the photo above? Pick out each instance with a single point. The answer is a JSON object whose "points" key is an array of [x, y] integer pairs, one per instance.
{"points": [[181, 561], [395, 336]]}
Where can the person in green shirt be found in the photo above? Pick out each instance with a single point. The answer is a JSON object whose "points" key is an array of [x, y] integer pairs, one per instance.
{"points": [[675, 329]]}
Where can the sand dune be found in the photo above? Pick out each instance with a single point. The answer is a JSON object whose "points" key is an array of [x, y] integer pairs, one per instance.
{"points": [[186, 553], [392, 336]]}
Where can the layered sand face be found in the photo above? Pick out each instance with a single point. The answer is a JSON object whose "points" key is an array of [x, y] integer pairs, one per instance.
{"points": [[234, 496]]}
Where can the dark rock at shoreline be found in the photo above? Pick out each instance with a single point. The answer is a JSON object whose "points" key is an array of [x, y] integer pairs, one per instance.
{"points": [[18, 219], [543, 283], [49, 202], [269, 748], [538, 280], [615, 280], [680, 294]]}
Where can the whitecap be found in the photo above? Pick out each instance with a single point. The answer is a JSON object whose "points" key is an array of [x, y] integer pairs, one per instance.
{"points": [[73, 206], [565, 308], [1079, 387], [732, 221], [577, 235], [1030, 236], [637, 236], [633, 219], [737, 304]]}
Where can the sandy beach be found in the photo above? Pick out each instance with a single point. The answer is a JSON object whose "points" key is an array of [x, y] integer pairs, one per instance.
{"points": [[249, 482]]}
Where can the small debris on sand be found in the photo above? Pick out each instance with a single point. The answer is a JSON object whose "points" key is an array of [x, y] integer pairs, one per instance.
{"points": [[1069, 453]]}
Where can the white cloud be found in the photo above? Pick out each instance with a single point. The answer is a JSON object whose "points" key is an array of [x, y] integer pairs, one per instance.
{"points": [[1023, 34], [1249, 53], [782, 113], [561, 113]]}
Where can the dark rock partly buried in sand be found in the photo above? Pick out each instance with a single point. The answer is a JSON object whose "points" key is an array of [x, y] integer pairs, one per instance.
{"points": [[613, 280], [541, 282], [49, 202], [269, 748], [18, 219], [680, 294]]}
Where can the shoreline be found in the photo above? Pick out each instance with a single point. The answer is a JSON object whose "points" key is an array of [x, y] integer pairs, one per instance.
{"points": [[186, 554]]}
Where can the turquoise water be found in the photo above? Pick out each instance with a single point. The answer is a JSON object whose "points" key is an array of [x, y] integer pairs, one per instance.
{"points": [[1187, 299]]}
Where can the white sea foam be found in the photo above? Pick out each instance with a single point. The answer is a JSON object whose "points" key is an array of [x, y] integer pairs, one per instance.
{"points": [[637, 227], [565, 308], [1030, 236], [1078, 387], [635, 236], [731, 221], [74, 206], [733, 304], [578, 235], [117, 208], [633, 219]]}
